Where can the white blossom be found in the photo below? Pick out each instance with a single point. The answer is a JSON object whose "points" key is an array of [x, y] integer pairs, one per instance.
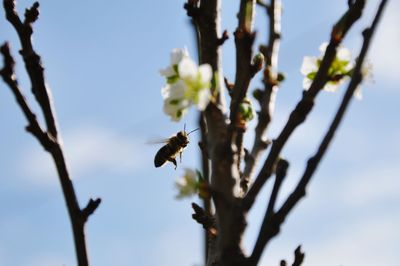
{"points": [[188, 184], [338, 73], [175, 104], [178, 54], [187, 84], [309, 65]]}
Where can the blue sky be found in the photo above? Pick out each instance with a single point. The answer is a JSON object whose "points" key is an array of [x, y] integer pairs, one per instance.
{"points": [[102, 63]]}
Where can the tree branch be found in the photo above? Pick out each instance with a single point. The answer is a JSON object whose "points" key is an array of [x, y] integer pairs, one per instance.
{"points": [[273, 223], [203, 218], [50, 140], [245, 71], [32, 60], [281, 171], [298, 257], [90, 208], [8, 75], [304, 107], [206, 16], [268, 94], [314, 161]]}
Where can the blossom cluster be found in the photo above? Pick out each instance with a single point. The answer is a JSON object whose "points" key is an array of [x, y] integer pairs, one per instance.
{"points": [[340, 70], [192, 183], [187, 84]]}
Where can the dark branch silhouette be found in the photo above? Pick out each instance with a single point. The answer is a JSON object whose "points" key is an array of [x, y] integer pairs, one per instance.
{"points": [[305, 105], [49, 139]]}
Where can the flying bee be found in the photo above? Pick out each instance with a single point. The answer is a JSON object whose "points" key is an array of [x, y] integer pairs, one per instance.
{"points": [[174, 146]]}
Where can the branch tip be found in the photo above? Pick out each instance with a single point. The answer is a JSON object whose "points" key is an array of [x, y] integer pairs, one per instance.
{"points": [[91, 206], [192, 8], [202, 218], [225, 36], [32, 14], [298, 256]]}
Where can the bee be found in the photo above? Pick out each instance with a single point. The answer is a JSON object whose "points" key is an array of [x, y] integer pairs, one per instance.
{"points": [[174, 146]]}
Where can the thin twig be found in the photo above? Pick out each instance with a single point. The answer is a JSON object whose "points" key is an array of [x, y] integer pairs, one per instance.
{"points": [[32, 60], [205, 165], [314, 161], [90, 208], [245, 71], [298, 257], [8, 75], [281, 171], [305, 105], [268, 94], [50, 140], [272, 225], [203, 218]]}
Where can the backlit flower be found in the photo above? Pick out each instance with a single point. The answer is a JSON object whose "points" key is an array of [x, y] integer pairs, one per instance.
{"points": [[187, 84]]}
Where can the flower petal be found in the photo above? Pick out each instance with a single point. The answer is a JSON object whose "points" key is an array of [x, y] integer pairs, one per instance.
{"points": [[306, 83], [331, 86], [309, 65], [203, 99], [167, 72], [322, 47], [178, 54], [358, 93], [175, 109], [177, 90], [205, 72], [187, 69], [343, 54], [165, 91]]}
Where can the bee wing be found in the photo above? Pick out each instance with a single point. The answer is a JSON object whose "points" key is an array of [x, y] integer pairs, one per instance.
{"points": [[158, 141]]}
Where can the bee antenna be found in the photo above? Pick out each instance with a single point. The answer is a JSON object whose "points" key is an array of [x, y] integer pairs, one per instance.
{"points": [[184, 127], [192, 131]]}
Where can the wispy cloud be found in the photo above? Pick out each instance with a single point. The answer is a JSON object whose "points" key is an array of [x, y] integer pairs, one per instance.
{"points": [[87, 149]]}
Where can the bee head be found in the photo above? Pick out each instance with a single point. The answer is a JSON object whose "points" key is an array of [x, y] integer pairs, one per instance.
{"points": [[182, 134]]}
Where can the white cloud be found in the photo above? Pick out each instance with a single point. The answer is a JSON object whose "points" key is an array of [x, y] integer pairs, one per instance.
{"points": [[87, 149]]}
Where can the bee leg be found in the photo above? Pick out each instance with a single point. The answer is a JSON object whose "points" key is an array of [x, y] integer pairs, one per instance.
{"points": [[180, 157], [172, 160]]}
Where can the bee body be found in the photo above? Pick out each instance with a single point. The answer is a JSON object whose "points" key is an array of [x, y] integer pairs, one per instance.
{"points": [[171, 149]]}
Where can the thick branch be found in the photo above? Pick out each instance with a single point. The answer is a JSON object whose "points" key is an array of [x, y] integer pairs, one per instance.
{"points": [[206, 16], [268, 94], [304, 107]]}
